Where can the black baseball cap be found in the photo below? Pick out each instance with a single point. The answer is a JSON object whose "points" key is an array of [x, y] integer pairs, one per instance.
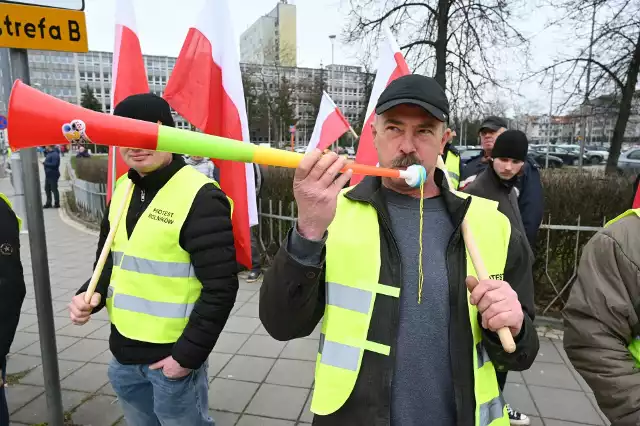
{"points": [[493, 123], [415, 89]]}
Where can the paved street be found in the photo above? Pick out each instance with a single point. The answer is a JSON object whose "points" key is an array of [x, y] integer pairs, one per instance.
{"points": [[255, 380]]}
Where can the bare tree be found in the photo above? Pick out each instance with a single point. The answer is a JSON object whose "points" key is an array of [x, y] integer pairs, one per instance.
{"points": [[609, 63], [449, 39], [270, 88]]}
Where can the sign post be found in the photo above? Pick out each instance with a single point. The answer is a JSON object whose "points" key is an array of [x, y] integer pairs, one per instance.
{"points": [[292, 130], [43, 25]]}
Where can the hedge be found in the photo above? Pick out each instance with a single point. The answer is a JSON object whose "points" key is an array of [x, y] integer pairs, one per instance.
{"points": [[92, 169]]}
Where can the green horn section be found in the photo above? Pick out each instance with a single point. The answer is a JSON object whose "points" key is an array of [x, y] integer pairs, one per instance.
{"points": [[186, 142]]}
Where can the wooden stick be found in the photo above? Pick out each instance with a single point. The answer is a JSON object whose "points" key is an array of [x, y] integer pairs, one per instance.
{"points": [[353, 132], [506, 338], [107, 246]]}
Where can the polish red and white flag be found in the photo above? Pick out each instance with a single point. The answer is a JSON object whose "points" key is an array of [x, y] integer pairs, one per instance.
{"points": [[206, 89], [128, 77], [391, 65], [330, 125]]}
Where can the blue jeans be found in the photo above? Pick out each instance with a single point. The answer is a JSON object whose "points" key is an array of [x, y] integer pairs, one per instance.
{"points": [[149, 398], [4, 409]]}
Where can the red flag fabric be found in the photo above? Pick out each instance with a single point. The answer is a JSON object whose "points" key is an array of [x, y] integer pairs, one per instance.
{"points": [[391, 65], [206, 89], [128, 77], [330, 125]]}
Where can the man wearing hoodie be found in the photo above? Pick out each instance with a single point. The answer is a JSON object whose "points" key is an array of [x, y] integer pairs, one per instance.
{"points": [[529, 185], [498, 183]]}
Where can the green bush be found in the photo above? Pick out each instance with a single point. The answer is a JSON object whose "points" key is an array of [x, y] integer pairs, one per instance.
{"points": [[93, 169], [572, 198]]}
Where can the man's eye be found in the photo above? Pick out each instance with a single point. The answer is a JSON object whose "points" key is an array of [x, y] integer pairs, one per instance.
{"points": [[393, 129]]}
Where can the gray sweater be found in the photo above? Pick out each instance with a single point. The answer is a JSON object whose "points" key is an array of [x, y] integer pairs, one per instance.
{"points": [[422, 391]]}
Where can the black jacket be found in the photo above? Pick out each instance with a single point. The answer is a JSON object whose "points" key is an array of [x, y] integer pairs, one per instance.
{"points": [[292, 302], [489, 185], [12, 287], [531, 199], [52, 165], [207, 235]]}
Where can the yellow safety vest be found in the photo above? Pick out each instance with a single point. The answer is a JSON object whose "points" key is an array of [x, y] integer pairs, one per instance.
{"points": [[6, 199], [453, 166], [634, 346], [153, 286], [352, 285]]}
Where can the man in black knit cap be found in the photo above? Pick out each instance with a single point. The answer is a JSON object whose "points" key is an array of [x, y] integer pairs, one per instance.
{"points": [[498, 182], [169, 283]]}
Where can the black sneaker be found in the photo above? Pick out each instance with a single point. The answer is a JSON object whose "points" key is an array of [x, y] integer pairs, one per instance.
{"points": [[253, 276], [516, 418], [46, 206]]}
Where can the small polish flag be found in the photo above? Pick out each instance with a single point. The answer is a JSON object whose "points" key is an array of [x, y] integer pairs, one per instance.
{"points": [[128, 77], [206, 89], [391, 65], [330, 125]]}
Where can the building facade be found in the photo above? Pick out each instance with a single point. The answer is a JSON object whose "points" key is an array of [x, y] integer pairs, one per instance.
{"points": [[346, 85], [272, 39]]}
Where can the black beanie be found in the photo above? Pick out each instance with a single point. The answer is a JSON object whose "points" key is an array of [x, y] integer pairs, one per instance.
{"points": [[145, 107], [511, 144]]}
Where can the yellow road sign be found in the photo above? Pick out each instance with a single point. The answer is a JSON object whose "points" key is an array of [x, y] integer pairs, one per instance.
{"points": [[43, 28]]}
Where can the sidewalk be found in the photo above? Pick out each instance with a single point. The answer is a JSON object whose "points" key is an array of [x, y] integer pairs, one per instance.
{"points": [[255, 380]]}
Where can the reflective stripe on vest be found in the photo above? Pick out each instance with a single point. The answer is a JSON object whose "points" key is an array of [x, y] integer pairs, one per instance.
{"points": [[6, 199], [352, 275], [453, 167], [153, 285], [144, 306], [152, 267]]}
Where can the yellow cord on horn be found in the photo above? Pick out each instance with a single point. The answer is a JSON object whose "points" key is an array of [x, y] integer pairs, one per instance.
{"points": [[420, 275]]}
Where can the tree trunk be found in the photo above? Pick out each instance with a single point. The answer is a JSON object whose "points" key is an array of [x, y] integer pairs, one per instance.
{"points": [[625, 111], [441, 43]]}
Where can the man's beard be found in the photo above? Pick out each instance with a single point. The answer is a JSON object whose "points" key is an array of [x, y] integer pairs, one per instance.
{"points": [[405, 161]]}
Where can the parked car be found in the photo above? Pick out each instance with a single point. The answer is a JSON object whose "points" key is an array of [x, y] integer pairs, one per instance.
{"points": [[540, 159], [629, 162], [593, 154], [568, 157], [467, 153]]}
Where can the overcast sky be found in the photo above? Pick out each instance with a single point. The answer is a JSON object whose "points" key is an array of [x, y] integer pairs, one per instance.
{"points": [[162, 27]]}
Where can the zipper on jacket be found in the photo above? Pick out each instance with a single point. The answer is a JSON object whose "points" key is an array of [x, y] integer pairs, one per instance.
{"points": [[142, 196]]}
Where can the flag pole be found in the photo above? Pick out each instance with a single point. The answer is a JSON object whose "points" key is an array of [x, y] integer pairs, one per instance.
{"points": [[353, 132]]}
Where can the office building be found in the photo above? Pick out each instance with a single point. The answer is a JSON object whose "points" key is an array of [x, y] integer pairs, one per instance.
{"points": [[272, 38]]}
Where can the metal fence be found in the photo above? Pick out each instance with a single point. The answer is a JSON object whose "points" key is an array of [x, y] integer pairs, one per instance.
{"points": [[90, 198], [560, 286]]}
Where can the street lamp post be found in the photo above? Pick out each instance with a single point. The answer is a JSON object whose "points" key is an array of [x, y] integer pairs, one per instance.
{"points": [[332, 38]]}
